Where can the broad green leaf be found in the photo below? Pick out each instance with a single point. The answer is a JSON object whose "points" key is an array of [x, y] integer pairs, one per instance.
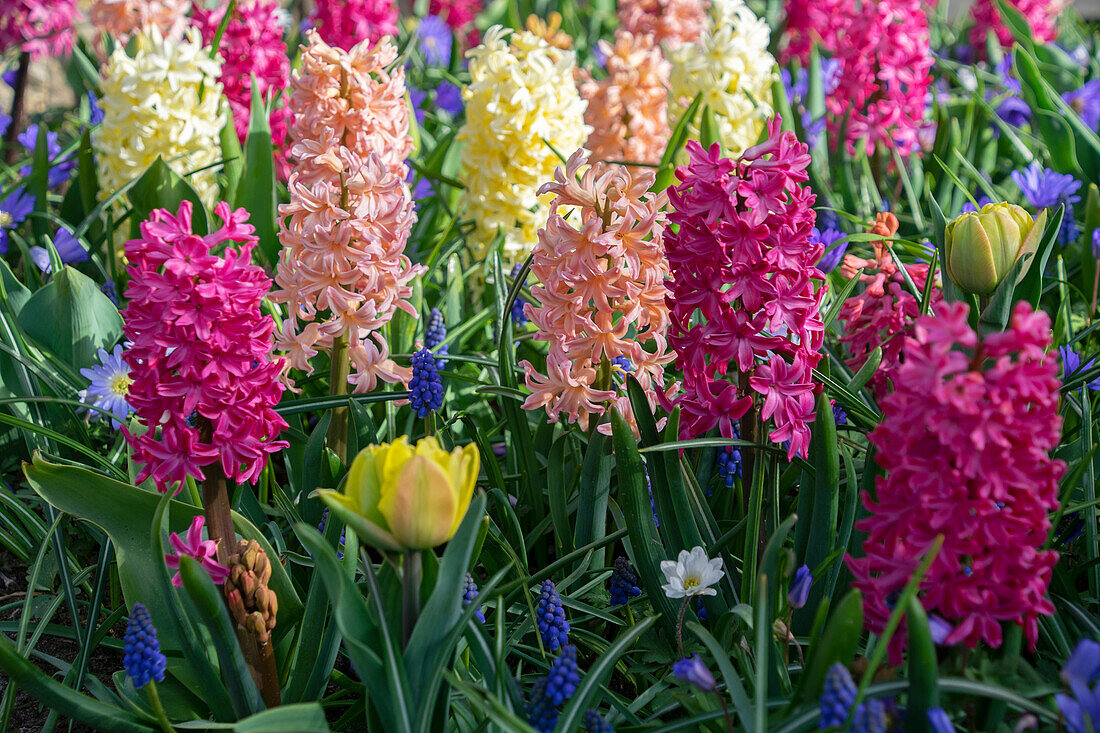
{"points": [[256, 192], [71, 317], [160, 187]]}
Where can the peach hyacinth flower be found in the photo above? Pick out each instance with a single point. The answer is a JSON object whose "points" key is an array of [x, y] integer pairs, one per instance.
{"points": [[343, 270], [123, 18]]}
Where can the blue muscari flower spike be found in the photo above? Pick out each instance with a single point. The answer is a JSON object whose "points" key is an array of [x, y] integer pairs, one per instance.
{"points": [[624, 583], [729, 461], [871, 717], [624, 363], [595, 723], [142, 659], [550, 617], [519, 318], [541, 712], [700, 609], [837, 697], [469, 595], [937, 718], [563, 677], [435, 332], [426, 388], [840, 415]]}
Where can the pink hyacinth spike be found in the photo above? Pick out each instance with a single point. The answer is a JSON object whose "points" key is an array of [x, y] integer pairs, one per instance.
{"points": [[194, 546]]}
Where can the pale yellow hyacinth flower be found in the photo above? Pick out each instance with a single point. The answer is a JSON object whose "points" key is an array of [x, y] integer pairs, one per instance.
{"points": [[732, 68], [521, 93], [152, 106]]}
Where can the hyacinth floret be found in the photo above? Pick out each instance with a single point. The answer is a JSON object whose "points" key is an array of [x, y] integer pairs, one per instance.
{"points": [[252, 47], [348, 23], [745, 294], [459, 15], [1041, 17], [541, 711], [628, 109], [623, 584], [884, 312], [521, 92], [435, 332], [671, 23], [41, 28], [205, 552], [965, 444], [169, 91], [563, 677], [731, 67], [469, 595], [425, 387], [142, 658], [550, 617], [343, 270], [601, 292], [123, 18], [199, 345]]}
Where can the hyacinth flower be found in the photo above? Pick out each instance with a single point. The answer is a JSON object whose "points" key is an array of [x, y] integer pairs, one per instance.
{"points": [[41, 28], [601, 292], [731, 67], [252, 47], [123, 18], [343, 271], [628, 109], [671, 23], [884, 312], [170, 92], [459, 15], [965, 444], [521, 92], [192, 545], [753, 284], [348, 23], [1041, 17], [205, 386]]}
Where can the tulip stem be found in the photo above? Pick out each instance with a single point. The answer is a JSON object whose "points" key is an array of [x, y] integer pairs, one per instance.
{"points": [[410, 598], [339, 370]]}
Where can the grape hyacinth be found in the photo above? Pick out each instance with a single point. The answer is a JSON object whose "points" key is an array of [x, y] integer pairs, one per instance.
{"points": [[425, 387], [623, 584], [800, 587], [199, 345], [434, 333], [550, 617], [600, 294], [1081, 708], [754, 283], [965, 444], [837, 697], [142, 658], [519, 305], [595, 723], [563, 677], [541, 712], [469, 595]]}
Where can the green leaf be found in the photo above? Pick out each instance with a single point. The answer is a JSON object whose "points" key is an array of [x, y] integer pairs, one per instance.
{"points": [[160, 187], [818, 534], [233, 157], [72, 318], [924, 691], [125, 513], [838, 643], [591, 520], [306, 717], [256, 192], [666, 170]]}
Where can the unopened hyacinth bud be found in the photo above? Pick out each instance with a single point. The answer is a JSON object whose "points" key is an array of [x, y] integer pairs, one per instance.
{"points": [[983, 245], [800, 587], [142, 659], [694, 672], [550, 617], [253, 605]]}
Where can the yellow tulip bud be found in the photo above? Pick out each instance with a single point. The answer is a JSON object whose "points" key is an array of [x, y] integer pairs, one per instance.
{"points": [[403, 497], [982, 246]]}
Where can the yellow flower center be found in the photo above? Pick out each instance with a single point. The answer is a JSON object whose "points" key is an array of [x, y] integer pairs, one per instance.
{"points": [[121, 385], [691, 582], [5, 219]]}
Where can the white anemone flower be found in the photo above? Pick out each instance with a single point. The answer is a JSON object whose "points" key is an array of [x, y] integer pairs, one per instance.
{"points": [[692, 574]]}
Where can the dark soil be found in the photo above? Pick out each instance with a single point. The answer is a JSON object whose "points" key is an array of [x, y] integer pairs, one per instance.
{"points": [[28, 715]]}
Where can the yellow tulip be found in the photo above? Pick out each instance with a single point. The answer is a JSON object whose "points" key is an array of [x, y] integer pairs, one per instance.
{"points": [[983, 246], [403, 497]]}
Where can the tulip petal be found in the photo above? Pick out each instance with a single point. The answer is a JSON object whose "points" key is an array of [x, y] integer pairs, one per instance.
{"points": [[420, 504], [363, 486], [346, 511], [465, 465]]}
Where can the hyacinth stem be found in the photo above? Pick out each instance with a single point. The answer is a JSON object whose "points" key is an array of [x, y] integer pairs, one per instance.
{"points": [[338, 385], [215, 503], [158, 708], [269, 675], [725, 711], [410, 596], [19, 94]]}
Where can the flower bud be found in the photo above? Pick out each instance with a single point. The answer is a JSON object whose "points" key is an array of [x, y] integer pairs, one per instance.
{"points": [[800, 587], [983, 245], [403, 497]]}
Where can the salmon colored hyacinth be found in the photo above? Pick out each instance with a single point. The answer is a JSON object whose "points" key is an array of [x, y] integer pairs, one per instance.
{"points": [[169, 91], [731, 68], [343, 271], [965, 442], [600, 297], [628, 109], [521, 93], [123, 18], [41, 28], [671, 23]]}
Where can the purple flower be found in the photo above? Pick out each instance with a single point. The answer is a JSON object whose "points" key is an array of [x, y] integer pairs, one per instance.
{"points": [[109, 385], [95, 112], [1043, 187], [448, 98], [800, 587], [1096, 243], [142, 658], [59, 169], [812, 128], [599, 55], [435, 40], [937, 717], [9, 77], [830, 75], [940, 628], [1081, 670], [1071, 364], [1014, 111], [694, 672], [796, 89], [68, 249], [14, 208], [834, 251], [982, 200], [1086, 103], [5, 120], [418, 98], [1004, 70]]}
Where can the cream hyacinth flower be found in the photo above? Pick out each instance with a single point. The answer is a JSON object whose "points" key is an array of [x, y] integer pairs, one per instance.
{"points": [[732, 68], [520, 93], [692, 574], [152, 106]]}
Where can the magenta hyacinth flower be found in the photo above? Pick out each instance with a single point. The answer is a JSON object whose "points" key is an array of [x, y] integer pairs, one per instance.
{"points": [[194, 546], [743, 259], [201, 350], [965, 443]]}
